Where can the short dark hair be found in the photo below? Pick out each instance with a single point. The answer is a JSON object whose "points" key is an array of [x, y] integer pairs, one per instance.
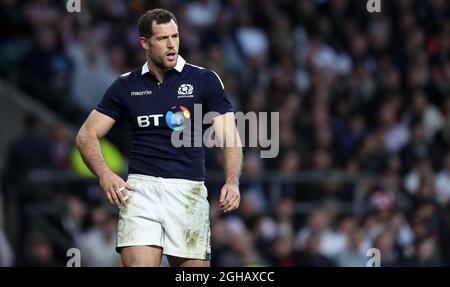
{"points": [[161, 16]]}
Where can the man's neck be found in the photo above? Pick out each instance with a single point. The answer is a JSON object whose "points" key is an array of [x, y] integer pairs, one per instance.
{"points": [[157, 72]]}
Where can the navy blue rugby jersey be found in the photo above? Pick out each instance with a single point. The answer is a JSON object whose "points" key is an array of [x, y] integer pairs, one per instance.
{"points": [[155, 110]]}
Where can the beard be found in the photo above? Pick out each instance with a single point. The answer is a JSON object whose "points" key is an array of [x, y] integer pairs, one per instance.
{"points": [[160, 63]]}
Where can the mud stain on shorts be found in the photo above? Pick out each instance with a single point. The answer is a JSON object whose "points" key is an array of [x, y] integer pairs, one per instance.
{"points": [[125, 231], [194, 215]]}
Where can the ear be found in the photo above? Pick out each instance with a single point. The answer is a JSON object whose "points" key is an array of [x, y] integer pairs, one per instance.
{"points": [[144, 43]]}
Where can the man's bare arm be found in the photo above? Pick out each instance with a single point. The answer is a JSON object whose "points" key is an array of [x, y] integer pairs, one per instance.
{"points": [[228, 138], [96, 126]]}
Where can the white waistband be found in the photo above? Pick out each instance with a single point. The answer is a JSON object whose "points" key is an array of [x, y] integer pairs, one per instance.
{"points": [[163, 179]]}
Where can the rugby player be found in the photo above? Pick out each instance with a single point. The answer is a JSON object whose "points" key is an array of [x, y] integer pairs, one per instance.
{"points": [[163, 204]]}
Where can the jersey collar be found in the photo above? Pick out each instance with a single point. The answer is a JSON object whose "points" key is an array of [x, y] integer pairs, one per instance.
{"points": [[178, 67]]}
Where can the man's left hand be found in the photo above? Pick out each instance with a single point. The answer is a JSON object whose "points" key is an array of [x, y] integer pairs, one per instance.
{"points": [[229, 197]]}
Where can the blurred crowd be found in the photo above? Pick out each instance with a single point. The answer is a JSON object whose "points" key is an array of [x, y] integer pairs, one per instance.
{"points": [[356, 92]]}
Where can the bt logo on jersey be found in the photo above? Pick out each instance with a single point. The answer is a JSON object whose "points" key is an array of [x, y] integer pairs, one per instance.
{"points": [[145, 121], [175, 118]]}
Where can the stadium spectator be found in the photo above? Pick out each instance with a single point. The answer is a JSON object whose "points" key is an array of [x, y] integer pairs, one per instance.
{"points": [[354, 255], [97, 245], [6, 252]]}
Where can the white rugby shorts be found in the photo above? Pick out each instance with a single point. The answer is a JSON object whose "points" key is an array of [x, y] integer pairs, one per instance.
{"points": [[167, 212]]}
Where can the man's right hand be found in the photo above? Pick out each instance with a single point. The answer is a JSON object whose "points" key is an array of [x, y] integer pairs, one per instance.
{"points": [[116, 189], [93, 129]]}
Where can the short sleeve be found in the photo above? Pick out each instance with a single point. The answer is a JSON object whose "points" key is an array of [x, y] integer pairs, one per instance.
{"points": [[216, 99], [112, 104]]}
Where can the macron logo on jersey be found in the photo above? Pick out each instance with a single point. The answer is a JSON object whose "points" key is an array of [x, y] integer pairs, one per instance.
{"points": [[141, 93]]}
